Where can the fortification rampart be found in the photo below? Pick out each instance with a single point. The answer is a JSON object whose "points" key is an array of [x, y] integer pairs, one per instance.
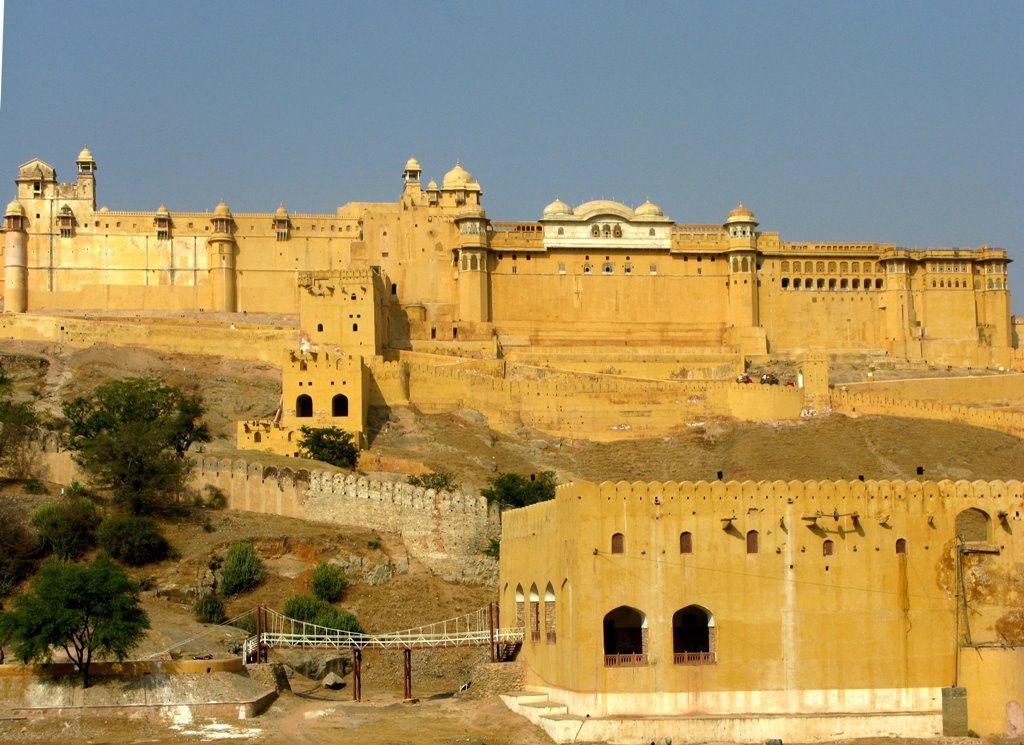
{"points": [[875, 500], [571, 403], [177, 335], [443, 530], [853, 402]]}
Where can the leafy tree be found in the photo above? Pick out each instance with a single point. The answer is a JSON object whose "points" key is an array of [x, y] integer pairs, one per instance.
{"points": [[68, 528], [328, 582], [243, 569], [330, 445], [131, 436], [438, 481], [133, 540], [311, 609], [209, 608], [512, 490], [86, 610]]}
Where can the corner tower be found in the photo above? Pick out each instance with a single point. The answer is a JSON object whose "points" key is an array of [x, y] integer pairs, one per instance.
{"points": [[15, 258], [86, 177]]}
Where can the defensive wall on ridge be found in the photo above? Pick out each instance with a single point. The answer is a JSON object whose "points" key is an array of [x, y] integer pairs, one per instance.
{"points": [[236, 339], [445, 531], [575, 404], [936, 399]]}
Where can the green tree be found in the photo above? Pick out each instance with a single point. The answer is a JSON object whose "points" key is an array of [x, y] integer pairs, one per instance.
{"points": [[131, 436], [330, 445], [512, 490], [67, 528], [438, 481], [311, 609], [242, 570], [87, 610], [132, 539], [328, 582]]}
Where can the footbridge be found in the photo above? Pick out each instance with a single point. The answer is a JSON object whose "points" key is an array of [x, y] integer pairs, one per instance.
{"points": [[477, 629]]}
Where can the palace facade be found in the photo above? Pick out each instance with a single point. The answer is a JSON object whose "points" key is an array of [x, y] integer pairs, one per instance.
{"points": [[599, 289]]}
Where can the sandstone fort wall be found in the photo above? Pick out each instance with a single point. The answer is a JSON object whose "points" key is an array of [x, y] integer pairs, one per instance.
{"points": [[445, 531]]}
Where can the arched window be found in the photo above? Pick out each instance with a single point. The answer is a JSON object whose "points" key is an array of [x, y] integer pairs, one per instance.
{"points": [[686, 542], [257, 437], [752, 544], [785, 283], [355, 326], [808, 267], [561, 231], [785, 266], [843, 267], [520, 610], [473, 263], [901, 545], [304, 406], [618, 543], [693, 636], [831, 267], [856, 283], [735, 265], [855, 267], [549, 613], [878, 284], [832, 284], [828, 548], [319, 327], [595, 232], [821, 284], [796, 283], [339, 405], [843, 283], [606, 231], [819, 266], [651, 232], [744, 265], [534, 613], [972, 525], [618, 231], [625, 637]]}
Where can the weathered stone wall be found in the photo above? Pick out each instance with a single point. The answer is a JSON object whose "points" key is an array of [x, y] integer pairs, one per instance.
{"points": [[445, 531], [933, 400]]}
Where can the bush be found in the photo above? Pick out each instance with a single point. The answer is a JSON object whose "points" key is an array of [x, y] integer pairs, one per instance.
{"points": [[330, 445], [328, 582], [242, 569], [33, 485], [67, 529], [438, 481], [311, 609], [133, 540], [216, 499], [513, 490], [209, 608], [493, 547]]}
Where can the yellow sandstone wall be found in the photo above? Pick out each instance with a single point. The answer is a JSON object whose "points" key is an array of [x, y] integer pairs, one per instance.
{"points": [[865, 629]]}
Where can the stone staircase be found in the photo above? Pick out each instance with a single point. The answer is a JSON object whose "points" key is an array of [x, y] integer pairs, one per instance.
{"points": [[550, 716]]}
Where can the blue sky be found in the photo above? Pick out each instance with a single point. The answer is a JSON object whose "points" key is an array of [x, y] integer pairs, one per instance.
{"points": [[874, 121]]}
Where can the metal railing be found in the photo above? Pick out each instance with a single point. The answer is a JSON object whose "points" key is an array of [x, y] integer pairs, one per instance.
{"points": [[464, 631]]}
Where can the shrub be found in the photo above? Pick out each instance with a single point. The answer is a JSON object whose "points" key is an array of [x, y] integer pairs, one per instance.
{"points": [[493, 547], [328, 582], [67, 529], [133, 540], [209, 608], [330, 445], [513, 490], [438, 481], [311, 609], [34, 486], [216, 499], [242, 569]]}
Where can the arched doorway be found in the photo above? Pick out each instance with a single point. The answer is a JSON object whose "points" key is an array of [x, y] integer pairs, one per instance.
{"points": [[625, 637], [304, 405], [339, 405]]}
